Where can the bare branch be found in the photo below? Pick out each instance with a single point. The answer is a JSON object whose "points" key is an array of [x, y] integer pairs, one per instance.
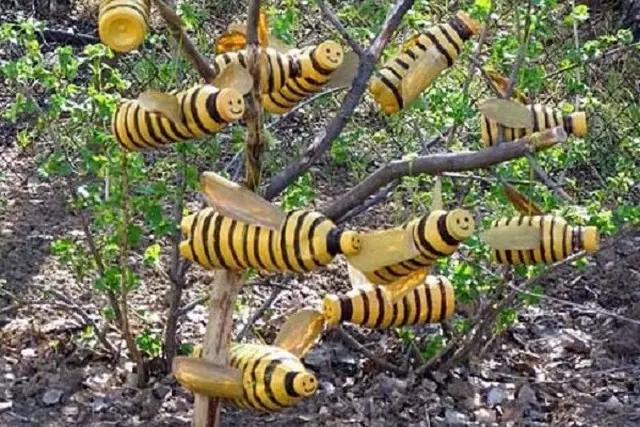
{"points": [[323, 140], [438, 163], [328, 13], [353, 343], [259, 312]]}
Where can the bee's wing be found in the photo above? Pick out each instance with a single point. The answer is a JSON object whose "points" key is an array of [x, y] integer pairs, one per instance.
{"points": [[508, 113], [235, 201], [436, 198], [398, 289], [523, 204], [501, 83], [204, 377], [512, 237], [230, 41], [234, 76], [344, 75], [300, 331], [161, 103], [382, 248], [424, 69], [357, 279]]}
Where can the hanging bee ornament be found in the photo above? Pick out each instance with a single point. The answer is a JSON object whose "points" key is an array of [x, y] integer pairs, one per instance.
{"points": [[123, 24], [243, 230], [156, 119], [423, 58], [265, 378], [538, 239]]}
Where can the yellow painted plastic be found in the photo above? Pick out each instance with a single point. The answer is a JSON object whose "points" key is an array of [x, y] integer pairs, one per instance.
{"points": [[431, 302], [203, 377], [545, 118], [435, 235], [558, 240], [123, 24], [316, 65], [305, 241], [205, 110], [405, 76]]}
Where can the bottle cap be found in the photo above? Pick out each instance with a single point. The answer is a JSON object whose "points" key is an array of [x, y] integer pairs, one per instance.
{"points": [[471, 24], [579, 124], [123, 28], [591, 239]]}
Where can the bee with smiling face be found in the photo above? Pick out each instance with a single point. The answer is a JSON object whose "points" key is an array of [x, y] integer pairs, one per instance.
{"points": [[424, 57], [243, 230], [264, 378], [156, 119], [123, 24]]}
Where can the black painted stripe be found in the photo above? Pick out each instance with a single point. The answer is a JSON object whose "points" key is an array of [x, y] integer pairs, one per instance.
{"points": [[406, 265], [296, 91], [254, 381], [365, 306], [379, 275], [489, 135], [429, 306], [212, 108], [256, 246], [314, 82], [289, 380], [411, 54], [381, 307], [311, 237], [440, 48], [205, 237], [152, 131], [445, 31], [272, 255], [271, 74], [297, 237], [278, 103], [268, 378], [394, 72], [241, 59], [346, 309], [230, 236], [403, 308], [226, 58], [421, 46], [157, 118], [418, 264], [127, 126], [389, 270], [193, 105], [444, 231], [536, 125], [393, 89], [217, 226], [178, 132], [136, 124], [401, 63], [443, 299], [498, 256], [418, 305], [424, 243], [565, 247], [193, 237], [542, 250], [394, 314], [547, 122], [551, 242], [282, 70], [316, 65], [568, 124], [509, 254], [460, 27], [284, 243]]}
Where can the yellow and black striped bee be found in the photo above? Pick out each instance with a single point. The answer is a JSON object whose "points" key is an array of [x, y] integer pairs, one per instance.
{"points": [[430, 302], [123, 24], [264, 378], [423, 58], [428, 238], [156, 119], [245, 231], [541, 118], [553, 239]]}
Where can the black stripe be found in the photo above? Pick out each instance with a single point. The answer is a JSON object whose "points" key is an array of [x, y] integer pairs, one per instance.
{"points": [[268, 377], [418, 305], [536, 125], [460, 27], [232, 232], [127, 125], [411, 55], [217, 225], [193, 238], [443, 299], [310, 238], [279, 104], [212, 108], [380, 301], [254, 380], [568, 124], [379, 275], [394, 72], [565, 248], [226, 58], [256, 246], [178, 132], [157, 118], [333, 241], [498, 255], [429, 304], [403, 307], [116, 119], [241, 60], [449, 37], [272, 255], [245, 248], [547, 122], [297, 237], [281, 68], [542, 251], [283, 242], [394, 314], [389, 270], [421, 46], [365, 306], [271, 74], [152, 132], [205, 237], [440, 48], [136, 125], [551, 242], [509, 254], [346, 309], [531, 251], [314, 82], [425, 245], [194, 111], [289, 380], [401, 63], [489, 135], [444, 231], [418, 264], [393, 89], [298, 90], [580, 239], [287, 97], [406, 265], [316, 65]]}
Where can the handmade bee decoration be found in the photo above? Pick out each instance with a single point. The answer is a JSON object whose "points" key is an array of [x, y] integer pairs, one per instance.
{"points": [[540, 118], [123, 24], [243, 230], [264, 378], [423, 58], [156, 119], [549, 239]]}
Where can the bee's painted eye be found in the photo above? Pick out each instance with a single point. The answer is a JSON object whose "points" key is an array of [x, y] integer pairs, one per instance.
{"points": [[230, 102], [328, 50]]}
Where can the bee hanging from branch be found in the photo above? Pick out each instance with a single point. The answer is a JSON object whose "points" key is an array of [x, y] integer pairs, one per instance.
{"points": [[123, 24], [422, 59], [265, 378], [156, 119]]}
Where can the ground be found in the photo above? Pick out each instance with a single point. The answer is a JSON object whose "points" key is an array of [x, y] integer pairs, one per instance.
{"points": [[574, 359]]}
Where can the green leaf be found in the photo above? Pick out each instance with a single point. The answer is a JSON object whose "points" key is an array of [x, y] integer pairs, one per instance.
{"points": [[151, 254]]}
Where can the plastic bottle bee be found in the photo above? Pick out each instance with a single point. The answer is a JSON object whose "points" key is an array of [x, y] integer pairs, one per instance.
{"points": [[259, 377], [123, 24], [430, 302], [553, 239], [404, 77], [428, 238], [247, 231], [544, 118], [157, 119]]}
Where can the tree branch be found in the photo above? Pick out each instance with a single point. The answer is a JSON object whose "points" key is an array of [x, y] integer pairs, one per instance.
{"points": [[255, 316], [445, 162], [331, 17], [323, 140], [353, 343]]}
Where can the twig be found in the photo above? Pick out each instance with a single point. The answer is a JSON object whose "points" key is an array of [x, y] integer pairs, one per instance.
{"points": [[323, 140], [598, 56], [328, 13], [353, 343], [439, 163], [258, 313]]}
